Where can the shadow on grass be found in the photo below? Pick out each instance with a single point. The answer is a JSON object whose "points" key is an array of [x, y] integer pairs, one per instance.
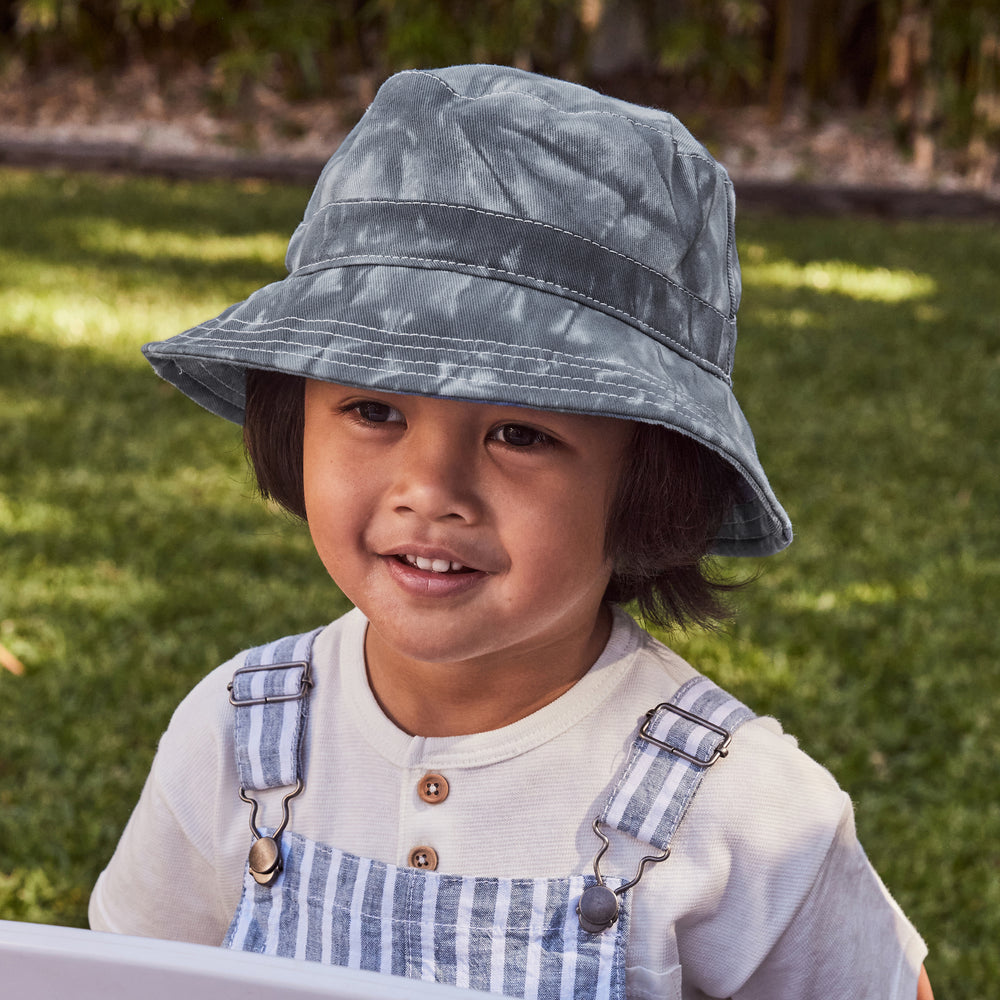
{"points": [[133, 561], [109, 471], [869, 366], [193, 237]]}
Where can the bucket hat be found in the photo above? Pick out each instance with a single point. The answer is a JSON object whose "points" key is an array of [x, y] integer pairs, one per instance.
{"points": [[493, 235]]}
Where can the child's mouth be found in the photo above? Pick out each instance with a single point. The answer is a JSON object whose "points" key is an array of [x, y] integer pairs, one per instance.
{"points": [[434, 565]]}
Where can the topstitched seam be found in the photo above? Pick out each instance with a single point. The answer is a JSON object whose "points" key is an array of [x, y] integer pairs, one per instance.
{"points": [[543, 357], [437, 342], [531, 222], [536, 282]]}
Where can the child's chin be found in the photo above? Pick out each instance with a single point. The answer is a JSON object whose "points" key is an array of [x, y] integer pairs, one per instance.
{"points": [[432, 642]]}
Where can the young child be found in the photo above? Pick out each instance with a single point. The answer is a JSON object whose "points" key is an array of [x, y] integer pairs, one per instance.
{"points": [[496, 384]]}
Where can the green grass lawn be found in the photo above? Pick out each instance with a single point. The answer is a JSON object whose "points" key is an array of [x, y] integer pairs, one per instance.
{"points": [[133, 559]]}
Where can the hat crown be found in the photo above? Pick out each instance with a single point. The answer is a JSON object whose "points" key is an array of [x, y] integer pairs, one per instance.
{"points": [[541, 182], [490, 235]]}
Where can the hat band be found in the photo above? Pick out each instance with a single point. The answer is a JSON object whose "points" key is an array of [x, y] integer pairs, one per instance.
{"points": [[506, 248]]}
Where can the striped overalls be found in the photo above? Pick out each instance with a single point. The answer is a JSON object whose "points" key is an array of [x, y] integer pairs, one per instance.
{"points": [[521, 937]]}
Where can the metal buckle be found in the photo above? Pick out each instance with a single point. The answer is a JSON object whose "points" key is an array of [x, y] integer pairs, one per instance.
{"points": [[264, 860], [305, 683], [722, 750], [598, 906]]}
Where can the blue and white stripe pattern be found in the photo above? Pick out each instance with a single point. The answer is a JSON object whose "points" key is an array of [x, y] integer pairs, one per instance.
{"points": [[269, 735], [517, 937], [657, 786]]}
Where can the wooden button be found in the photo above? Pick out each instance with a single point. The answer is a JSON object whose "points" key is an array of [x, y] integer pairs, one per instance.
{"points": [[423, 857], [433, 788]]}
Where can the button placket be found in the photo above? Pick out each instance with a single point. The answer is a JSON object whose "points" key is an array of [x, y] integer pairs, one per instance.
{"points": [[424, 824]]}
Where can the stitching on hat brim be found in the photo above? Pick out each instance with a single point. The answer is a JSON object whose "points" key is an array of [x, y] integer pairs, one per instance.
{"points": [[539, 354], [533, 282], [543, 355], [314, 351]]}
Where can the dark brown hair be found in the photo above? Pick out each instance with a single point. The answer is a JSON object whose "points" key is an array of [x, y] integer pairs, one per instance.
{"points": [[673, 494]]}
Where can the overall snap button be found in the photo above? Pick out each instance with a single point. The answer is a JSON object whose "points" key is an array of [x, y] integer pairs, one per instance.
{"points": [[423, 857], [433, 788]]}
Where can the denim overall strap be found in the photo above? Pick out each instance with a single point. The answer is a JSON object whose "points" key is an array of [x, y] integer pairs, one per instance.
{"points": [[270, 693], [673, 750]]}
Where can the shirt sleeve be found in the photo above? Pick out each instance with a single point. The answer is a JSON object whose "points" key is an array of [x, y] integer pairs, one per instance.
{"points": [[848, 938], [165, 878], [783, 901]]}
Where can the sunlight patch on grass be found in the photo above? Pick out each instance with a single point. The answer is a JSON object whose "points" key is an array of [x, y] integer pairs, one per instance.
{"points": [[107, 236], [857, 593], [28, 515], [103, 588], [863, 284], [69, 318], [35, 895], [737, 663]]}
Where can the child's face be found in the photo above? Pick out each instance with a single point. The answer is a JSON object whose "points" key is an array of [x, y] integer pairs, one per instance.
{"points": [[466, 532]]}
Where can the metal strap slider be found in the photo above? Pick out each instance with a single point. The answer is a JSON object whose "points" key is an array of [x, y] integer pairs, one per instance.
{"points": [[721, 749], [305, 683]]}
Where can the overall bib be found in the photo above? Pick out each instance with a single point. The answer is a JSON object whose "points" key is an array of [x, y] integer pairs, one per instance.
{"points": [[520, 937]]}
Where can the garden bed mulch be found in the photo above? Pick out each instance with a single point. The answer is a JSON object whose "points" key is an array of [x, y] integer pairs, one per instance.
{"points": [[139, 123]]}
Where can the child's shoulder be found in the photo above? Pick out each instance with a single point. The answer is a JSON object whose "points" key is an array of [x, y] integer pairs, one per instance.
{"points": [[202, 724], [766, 776]]}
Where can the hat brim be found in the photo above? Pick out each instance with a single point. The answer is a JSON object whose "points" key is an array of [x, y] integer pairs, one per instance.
{"points": [[472, 337]]}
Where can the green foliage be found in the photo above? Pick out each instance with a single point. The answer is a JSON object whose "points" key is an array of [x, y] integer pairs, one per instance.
{"points": [[439, 32], [690, 45], [934, 65], [134, 560]]}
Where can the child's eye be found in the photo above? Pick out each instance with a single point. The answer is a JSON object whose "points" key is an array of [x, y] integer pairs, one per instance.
{"points": [[519, 436], [377, 413]]}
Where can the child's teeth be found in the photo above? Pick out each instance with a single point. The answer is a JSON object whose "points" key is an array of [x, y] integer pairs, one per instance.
{"points": [[435, 565]]}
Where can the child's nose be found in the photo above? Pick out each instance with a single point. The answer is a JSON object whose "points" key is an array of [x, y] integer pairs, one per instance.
{"points": [[436, 478]]}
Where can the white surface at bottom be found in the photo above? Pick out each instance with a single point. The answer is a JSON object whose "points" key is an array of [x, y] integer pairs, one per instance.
{"points": [[41, 962]]}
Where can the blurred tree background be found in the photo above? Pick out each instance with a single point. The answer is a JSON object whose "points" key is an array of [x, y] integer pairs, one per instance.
{"points": [[932, 66]]}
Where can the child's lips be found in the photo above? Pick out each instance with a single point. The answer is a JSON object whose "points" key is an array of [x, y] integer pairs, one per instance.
{"points": [[432, 572], [435, 557]]}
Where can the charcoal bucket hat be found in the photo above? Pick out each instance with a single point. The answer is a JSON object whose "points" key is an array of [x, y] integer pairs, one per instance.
{"points": [[493, 235]]}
